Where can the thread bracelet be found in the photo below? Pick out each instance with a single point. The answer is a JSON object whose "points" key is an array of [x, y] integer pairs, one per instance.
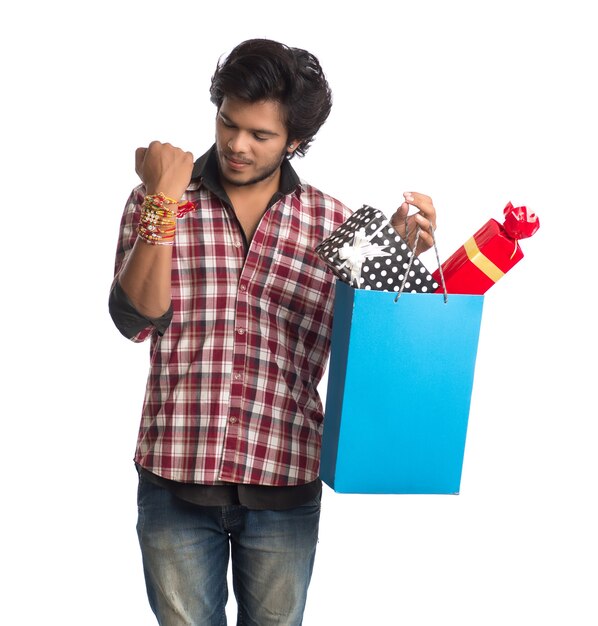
{"points": [[157, 224]]}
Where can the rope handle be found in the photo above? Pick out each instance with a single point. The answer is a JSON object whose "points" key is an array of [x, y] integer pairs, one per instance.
{"points": [[412, 257]]}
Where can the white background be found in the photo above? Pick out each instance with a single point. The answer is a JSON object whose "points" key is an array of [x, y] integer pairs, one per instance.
{"points": [[473, 103]]}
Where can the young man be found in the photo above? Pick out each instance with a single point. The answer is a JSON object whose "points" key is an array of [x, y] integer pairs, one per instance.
{"points": [[238, 308]]}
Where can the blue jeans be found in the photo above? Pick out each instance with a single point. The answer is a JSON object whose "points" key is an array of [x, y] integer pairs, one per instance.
{"points": [[185, 549]]}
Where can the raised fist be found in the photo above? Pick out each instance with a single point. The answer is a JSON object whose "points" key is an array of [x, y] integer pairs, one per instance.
{"points": [[164, 168]]}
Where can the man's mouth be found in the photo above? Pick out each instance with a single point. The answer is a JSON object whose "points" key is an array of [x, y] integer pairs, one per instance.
{"points": [[236, 162]]}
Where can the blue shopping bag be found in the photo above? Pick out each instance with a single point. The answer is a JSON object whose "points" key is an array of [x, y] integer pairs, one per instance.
{"points": [[399, 390]]}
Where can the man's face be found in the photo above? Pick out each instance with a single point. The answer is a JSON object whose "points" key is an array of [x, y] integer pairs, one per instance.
{"points": [[251, 141]]}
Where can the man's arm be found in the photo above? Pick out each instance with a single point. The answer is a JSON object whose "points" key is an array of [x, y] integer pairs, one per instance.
{"points": [[129, 321], [146, 275], [145, 278]]}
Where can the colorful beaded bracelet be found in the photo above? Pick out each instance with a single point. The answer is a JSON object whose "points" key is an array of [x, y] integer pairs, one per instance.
{"points": [[157, 224]]}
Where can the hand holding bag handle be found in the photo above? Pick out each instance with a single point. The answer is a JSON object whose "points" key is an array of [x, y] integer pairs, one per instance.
{"points": [[417, 233]]}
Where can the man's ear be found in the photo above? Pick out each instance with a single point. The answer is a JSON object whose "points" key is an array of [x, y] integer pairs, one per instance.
{"points": [[293, 145]]}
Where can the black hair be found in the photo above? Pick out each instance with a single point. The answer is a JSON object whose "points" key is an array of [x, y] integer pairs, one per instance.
{"points": [[262, 69]]}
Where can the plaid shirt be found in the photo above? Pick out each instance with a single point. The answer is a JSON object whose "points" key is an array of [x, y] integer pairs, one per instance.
{"points": [[232, 389]]}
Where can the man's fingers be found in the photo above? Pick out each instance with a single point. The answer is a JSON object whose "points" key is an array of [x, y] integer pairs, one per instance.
{"points": [[426, 209], [398, 218], [401, 212], [139, 157], [164, 168], [425, 241], [423, 222], [417, 199]]}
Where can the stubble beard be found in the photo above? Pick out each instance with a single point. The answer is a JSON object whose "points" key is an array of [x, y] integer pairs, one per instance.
{"points": [[267, 173]]}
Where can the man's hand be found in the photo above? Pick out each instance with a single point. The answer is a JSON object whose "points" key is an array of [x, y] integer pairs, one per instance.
{"points": [[164, 168], [425, 218]]}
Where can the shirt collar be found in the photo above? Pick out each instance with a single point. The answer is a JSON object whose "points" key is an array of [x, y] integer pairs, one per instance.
{"points": [[205, 172]]}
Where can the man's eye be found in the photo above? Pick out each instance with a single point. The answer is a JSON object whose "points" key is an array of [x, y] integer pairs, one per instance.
{"points": [[260, 138]]}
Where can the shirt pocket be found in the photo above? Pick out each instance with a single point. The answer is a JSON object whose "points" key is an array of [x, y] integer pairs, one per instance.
{"points": [[298, 281]]}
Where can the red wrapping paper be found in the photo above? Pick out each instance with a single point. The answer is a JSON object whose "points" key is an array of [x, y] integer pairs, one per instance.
{"points": [[489, 254]]}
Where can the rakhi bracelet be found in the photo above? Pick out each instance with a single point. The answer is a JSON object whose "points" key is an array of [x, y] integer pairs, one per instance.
{"points": [[158, 227], [156, 231], [152, 233], [150, 217], [157, 224], [156, 241], [158, 200], [156, 236], [185, 207], [159, 213]]}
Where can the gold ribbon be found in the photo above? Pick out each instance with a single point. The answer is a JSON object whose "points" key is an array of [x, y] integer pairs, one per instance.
{"points": [[482, 262]]}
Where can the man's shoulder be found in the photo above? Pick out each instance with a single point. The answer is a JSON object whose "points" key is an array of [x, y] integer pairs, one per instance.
{"points": [[319, 200]]}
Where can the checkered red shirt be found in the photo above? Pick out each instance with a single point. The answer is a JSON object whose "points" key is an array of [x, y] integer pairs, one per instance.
{"points": [[232, 388]]}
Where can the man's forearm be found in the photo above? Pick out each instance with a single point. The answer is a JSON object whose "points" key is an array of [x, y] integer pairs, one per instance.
{"points": [[146, 278]]}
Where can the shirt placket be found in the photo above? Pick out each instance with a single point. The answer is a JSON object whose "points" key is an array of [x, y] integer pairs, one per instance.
{"points": [[234, 454]]}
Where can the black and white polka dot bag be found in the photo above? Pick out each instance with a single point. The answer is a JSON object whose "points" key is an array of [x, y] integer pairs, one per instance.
{"points": [[367, 253]]}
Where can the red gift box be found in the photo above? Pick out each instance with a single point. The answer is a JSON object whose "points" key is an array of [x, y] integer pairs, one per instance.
{"points": [[489, 254]]}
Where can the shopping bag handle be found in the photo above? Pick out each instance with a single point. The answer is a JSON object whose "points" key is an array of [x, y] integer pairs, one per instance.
{"points": [[412, 257]]}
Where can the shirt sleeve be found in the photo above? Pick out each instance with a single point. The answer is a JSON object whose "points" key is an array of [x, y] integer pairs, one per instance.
{"points": [[132, 324], [129, 321]]}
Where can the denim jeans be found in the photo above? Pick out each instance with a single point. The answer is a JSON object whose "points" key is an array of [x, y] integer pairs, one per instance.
{"points": [[186, 547]]}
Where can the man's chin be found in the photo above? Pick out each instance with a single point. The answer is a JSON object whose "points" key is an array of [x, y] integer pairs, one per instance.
{"points": [[237, 180], [230, 176], [244, 179]]}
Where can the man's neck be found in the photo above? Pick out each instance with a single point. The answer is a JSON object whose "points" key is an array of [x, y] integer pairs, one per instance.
{"points": [[255, 194], [250, 202]]}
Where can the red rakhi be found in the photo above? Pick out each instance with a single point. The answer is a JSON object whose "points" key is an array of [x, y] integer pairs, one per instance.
{"points": [[185, 208]]}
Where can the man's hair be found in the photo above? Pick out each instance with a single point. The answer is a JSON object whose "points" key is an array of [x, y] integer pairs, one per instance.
{"points": [[261, 69]]}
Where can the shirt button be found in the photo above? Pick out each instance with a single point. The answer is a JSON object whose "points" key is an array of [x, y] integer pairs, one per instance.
{"points": [[237, 376], [237, 243], [232, 420], [243, 287], [241, 331]]}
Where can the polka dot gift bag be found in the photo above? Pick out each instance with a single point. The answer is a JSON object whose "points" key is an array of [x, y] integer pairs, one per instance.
{"points": [[367, 253]]}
